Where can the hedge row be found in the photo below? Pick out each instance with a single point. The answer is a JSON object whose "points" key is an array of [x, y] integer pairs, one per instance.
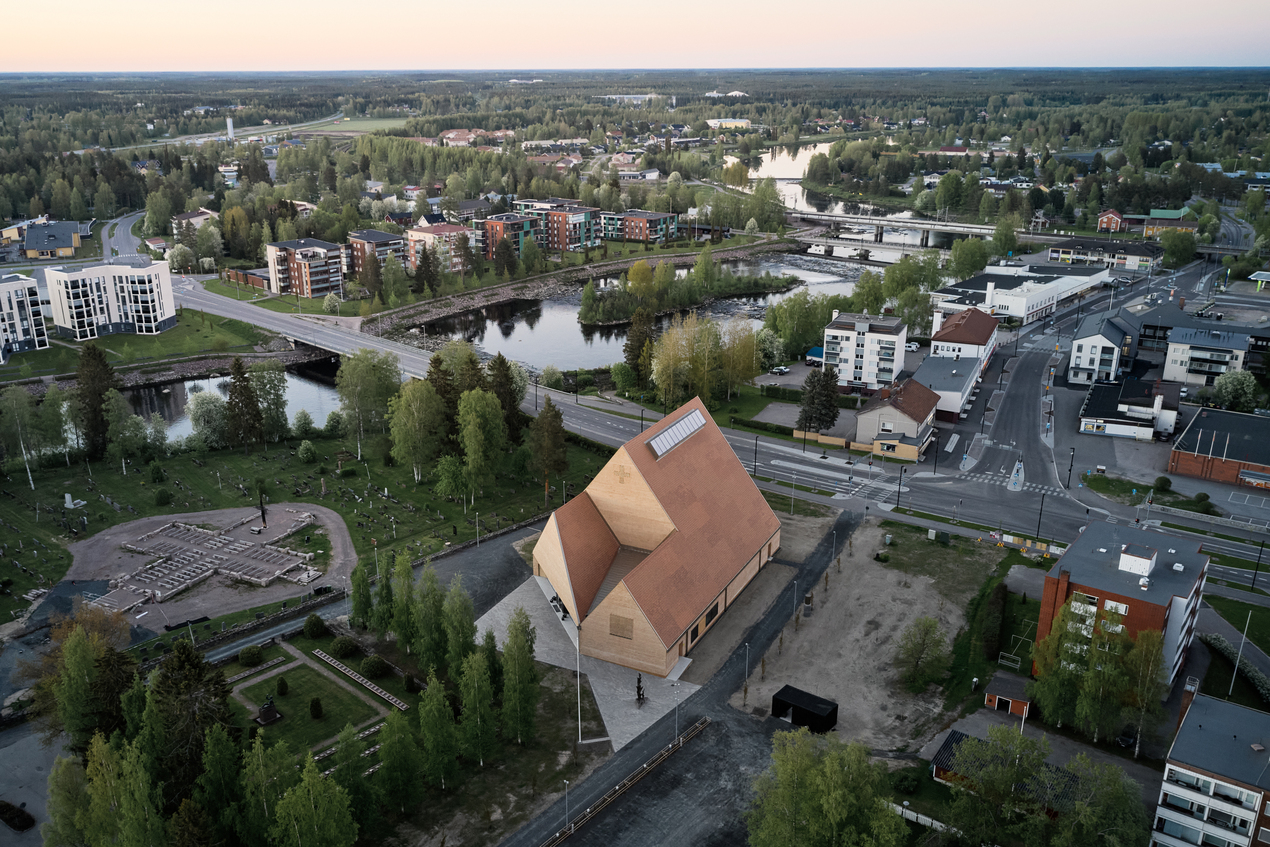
{"points": [[992, 621], [1257, 678]]}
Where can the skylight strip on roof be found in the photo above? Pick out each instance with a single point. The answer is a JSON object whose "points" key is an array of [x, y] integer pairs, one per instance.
{"points": [[666, 440]]}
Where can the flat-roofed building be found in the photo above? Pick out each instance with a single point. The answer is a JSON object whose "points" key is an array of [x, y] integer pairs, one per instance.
{"points": [[1199, 356], [1133, 256], [1026, 292], [1229, 447], [867, 350], [128, 295], [307, 267], [51, 240], [953, 378], [444, 240], [22, 326], [364, 242], [563, 224], [639, 225], [516, 228]]}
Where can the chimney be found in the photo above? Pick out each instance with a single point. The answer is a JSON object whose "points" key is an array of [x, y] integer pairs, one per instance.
{"points": [[936, 322], [884, 393], [987, 295], [835, 314]]}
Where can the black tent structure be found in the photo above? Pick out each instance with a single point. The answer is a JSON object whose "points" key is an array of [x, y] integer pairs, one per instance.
{"points": [[815, 713]]}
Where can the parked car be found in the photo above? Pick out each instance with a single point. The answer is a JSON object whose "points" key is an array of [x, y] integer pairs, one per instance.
{"points": [[779, 370], [1128, 737], [912, 346]]}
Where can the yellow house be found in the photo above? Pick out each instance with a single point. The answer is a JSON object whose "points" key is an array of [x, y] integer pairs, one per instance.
{"points": [[55, 240], [659, 545], [16, 230]]}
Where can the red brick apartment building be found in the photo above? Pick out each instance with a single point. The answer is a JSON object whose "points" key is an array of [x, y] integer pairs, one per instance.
{"points": [[1153, 581], [515, 228], [309, 267], [364, 242]]}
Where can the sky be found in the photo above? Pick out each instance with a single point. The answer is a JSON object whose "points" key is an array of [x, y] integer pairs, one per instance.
{"points": [[247, 35]]}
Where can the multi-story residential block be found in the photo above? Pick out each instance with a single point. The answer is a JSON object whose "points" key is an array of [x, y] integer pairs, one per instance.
{"points": [[442, 239], [866, 350], [969, 334], [515, 228], [1215, 778], [563, 224], [1105, 345], [306, 267], [1153, 582], [124, 296], [22, 326], [1199, 356], [364, 242], [639, 225]]}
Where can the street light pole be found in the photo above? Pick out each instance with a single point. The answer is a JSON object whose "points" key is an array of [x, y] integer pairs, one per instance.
{"points": [[792, 489], [1040, 512], [1258, 570], [1071, 465], [936, 470], [566, 804], [756, 455], [899, 488]]}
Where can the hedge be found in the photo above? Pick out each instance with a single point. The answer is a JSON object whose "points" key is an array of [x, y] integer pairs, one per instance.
{"points": [[1259, 680], [992, 620], [343, 647], [761, 426], [249, 656]]}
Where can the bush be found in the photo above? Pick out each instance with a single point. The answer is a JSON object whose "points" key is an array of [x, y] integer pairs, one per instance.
{"points": [[282, 686], [15, 816], [882, 557], [334, 425], [249, 657], [905, 782], [315, 708], [343, 647], [348, 472], [162, 497], [321, 470], [314, 627], [1201, 497], [991, 620], [156, 473], [373, 667], [307, 453], [1163, 483], [412, 685]]}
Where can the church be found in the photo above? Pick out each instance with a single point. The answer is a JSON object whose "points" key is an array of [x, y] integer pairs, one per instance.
{"points": [[659, 544]]}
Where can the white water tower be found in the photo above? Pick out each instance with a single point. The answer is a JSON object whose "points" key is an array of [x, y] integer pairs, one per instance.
{"points": [[229, 122]]}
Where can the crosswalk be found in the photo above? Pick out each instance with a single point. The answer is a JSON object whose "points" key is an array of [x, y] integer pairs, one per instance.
{"points": [[998, 479]]}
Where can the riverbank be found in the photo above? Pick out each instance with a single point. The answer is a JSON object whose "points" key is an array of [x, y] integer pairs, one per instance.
{"points": [[394, 324], [781, 285]]}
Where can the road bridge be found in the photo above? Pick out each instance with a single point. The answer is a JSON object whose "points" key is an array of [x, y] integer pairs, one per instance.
{"points": [[870, 244], [925, 226]]}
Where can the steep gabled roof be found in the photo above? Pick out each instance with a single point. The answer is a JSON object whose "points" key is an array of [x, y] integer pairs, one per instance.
{"points": [[721, 521], [912, 399], [589, 548], [969, 326]]}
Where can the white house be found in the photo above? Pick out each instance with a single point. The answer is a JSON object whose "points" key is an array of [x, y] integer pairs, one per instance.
{"points": [[1105, 344], [866, 350], [1132, 409], [969, 334]]}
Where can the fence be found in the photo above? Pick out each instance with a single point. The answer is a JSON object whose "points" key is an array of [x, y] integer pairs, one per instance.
{"points": [[827, 440], [919, 819]]}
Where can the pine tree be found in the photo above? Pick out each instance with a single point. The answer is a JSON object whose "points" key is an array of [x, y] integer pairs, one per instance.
{"points": [[502, 386], [549, 454], [460, 626], [94, 378], [440, 739], [478, 728], [402, 763], [244, 422], [493, 660], [520, 679], [190, 826]]}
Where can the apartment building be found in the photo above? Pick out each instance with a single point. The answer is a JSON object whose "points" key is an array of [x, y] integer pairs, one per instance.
{"points": [[639, 225], [1216, 777], [51, 240], [1199, 356], [515, 228], [22, 326], [365, 242], [442, 239], [563, 224], [1105, 345], [307, 267], [129, 295], [968, 334], [866, 350], [1153, 581]]}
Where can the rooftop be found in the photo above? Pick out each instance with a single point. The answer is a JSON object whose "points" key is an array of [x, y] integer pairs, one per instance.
{"points": [[50, 236], [1231, 435], [1104, 399], [914, 400], [305, 244], [510, 218], [1093, 561], [374, 236], [970, 326], [441, 229], [1225, 339], [945, 373], [885, 324], [1103, 246], [1223, 739]]}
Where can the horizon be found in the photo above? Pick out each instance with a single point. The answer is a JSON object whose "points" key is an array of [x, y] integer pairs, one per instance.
{"points": [[618, 69]]}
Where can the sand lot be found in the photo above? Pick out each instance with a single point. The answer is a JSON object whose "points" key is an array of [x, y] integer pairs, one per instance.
{"points": [[844, 651]]}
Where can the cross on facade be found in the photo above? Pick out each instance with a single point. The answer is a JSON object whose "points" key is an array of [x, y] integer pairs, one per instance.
{"points": [[622, 473]]}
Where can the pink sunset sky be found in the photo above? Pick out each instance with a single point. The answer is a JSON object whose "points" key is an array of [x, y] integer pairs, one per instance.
{"points": [[236, 35]]}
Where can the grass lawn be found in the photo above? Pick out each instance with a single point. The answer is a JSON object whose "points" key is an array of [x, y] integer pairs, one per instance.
{"points": [[362, 124], [273, 651], [958, 568], [931, 797], [1236, 614], [434, 523], [1208, 532], [1131, 493], [1217, 684], [308, 306], [213, 626], [391, 683], [232, 290], [1236, 562], [138, 228], [780, 505], [1018, 629], [339, 707]]}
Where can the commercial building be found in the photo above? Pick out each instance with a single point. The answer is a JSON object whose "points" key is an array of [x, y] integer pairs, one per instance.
{"points": [[660, 544], [968, 334], [1025, 292], [1132, 256], [1104, 345], [898, 422], [129, 295], [1229, 447], [1131, 409], [866, 350], [563, 224], [728, 123], [1161, 221], [1152, 581], [638, 225], [1199, 356], [953, 379], [1215, 777], [364, 242], [22, 326], [515, 228], [306, 267], [51, 240], [442, 239]]}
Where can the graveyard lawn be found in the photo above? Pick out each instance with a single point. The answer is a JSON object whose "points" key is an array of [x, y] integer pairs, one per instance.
{"points": [[297, 728], [225, 479]]}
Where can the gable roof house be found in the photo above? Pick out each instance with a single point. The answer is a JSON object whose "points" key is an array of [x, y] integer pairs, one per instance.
{"points": [[659, 544], [897, 422], [970, 333]]}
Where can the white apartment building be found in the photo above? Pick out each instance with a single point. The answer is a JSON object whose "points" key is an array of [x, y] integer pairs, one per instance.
{"points": [[126, 296], [1199, 356], [1216, 777], [866, 350], [21, 316], [1105, 344]]}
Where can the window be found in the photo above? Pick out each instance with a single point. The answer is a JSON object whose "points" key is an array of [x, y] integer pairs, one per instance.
{"points": [[886, 426], [712, 614], [621, 627], [695, 634], [1263, 835], [1118, 608], [1177, 830], [888, 448]]}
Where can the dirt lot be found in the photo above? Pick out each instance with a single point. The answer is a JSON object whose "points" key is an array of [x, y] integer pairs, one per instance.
{"points": [[844, 651], [101, 557]]}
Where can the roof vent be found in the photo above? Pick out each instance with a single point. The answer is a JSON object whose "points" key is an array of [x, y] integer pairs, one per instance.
{"points": [[1257, 748], [1171, 550], [1178, 566], [1102, 549], [1144, 583]]}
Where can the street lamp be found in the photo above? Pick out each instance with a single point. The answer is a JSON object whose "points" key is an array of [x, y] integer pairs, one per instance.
{"points": [[936, 470], [755, 454], [566, 804], [478, 529], [1040, 512], [675, 685], [957, 510], [747, 660], [899, 488], [793, 487], [1071, 465]]}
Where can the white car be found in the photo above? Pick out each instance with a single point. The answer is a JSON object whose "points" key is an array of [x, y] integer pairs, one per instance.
{"points": [[912, 346]]}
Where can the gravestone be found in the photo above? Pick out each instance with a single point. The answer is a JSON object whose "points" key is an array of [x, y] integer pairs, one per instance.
{"points": [[269, 713]]}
